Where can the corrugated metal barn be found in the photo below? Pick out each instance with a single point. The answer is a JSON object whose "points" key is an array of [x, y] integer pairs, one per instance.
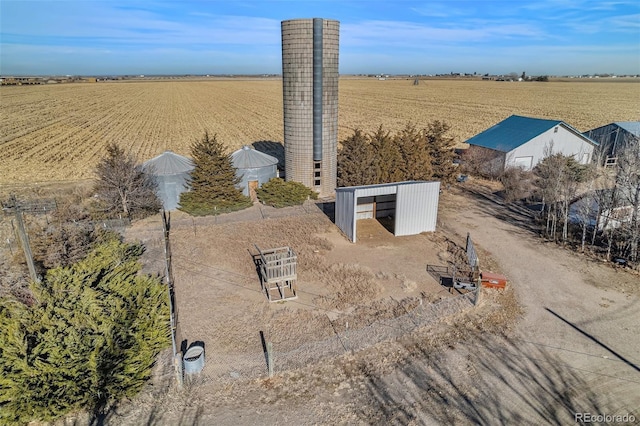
{"points": [[413, 205], [614, 137]]}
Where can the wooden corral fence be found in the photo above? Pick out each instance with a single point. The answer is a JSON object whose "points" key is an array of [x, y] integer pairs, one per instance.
{"points": [[278, 270]]}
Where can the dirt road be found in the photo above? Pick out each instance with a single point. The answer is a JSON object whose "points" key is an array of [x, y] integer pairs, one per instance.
{"points": [[575, 351]]}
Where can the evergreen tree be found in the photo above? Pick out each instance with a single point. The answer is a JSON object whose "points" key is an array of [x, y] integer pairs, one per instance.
{"points": [[356, 161], [212, 185], [416, 161], [441, 148], [91, 339], [387, 162]]}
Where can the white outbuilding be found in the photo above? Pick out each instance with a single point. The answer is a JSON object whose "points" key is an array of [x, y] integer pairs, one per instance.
{"points": [[411, 205], [524, 141]]}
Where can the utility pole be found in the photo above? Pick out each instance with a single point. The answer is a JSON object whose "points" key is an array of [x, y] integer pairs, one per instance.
{"points": [[24, 240]]}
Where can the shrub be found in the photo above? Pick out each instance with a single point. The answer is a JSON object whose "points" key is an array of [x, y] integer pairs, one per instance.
{"points": [[91, 338], [278, 193]]}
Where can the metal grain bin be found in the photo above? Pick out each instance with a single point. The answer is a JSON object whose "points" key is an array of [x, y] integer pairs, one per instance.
{"points": [[171, 172], [253, 168]]}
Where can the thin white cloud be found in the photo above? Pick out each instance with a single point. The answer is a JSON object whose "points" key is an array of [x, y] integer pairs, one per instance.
{"points": [[108, 24], [411, 34]]}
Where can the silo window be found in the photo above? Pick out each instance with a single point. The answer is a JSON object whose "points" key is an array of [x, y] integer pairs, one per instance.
{"points": [[317, 172]]}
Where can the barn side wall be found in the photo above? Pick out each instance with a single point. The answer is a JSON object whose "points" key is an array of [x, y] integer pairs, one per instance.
{"points": [[561, 141], [345, 212], [417, 208]]}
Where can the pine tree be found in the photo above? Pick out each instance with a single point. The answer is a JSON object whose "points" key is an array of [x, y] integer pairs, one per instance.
{"points": [[356, 161], [90, 340], [387, 162], [212, 185], [441, 150], [416, 161]]}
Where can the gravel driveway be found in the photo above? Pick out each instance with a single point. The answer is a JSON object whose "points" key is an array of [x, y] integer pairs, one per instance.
{"points": [[577, 349]]}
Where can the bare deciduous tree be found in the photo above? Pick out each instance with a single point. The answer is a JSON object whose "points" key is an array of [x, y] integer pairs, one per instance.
{"points": [[517, 183], [482, 162], [628, 188], [558, 177], [123, 186]]}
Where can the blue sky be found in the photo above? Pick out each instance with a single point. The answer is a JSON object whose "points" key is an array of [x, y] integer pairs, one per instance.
{"points": [[556, 37]]}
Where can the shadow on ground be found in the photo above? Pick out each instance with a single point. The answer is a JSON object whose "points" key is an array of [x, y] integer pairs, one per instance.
{"points": [[492, 380], [512, 213]]}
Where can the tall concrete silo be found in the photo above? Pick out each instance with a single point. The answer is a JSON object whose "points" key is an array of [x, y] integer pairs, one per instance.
{"points": [[310, 94]]}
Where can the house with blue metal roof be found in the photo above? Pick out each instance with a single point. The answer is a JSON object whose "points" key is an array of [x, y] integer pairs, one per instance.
{"points": [[613, 138], [524, 141]]}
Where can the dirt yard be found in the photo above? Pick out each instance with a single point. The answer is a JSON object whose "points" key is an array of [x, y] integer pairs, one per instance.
{"points": [[560, 340]]}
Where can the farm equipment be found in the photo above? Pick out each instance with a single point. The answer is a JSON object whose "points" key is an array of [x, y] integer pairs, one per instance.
{"points": [[465, 274]]}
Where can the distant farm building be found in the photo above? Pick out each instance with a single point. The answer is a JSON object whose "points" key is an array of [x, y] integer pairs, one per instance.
{"points": [[613, 138], [408, 208], [253, 168], [523, 142], [171, 172]]}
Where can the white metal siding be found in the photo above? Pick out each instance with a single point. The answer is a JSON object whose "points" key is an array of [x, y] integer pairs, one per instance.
{"points": [[417, 208], [561, 141], [345, 211]]}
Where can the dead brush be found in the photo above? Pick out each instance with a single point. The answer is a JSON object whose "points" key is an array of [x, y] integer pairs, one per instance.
{"points": [[347, 285]]}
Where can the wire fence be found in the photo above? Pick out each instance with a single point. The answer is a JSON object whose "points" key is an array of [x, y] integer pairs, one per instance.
{"points": [[224, 368]]}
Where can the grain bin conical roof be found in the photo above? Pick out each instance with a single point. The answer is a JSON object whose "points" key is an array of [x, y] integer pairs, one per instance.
{"points": [[248, 158], [169, 163]]}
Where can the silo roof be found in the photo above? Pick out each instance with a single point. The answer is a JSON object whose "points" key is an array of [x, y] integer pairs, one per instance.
{"points": [[169, 163], [248, 158]]}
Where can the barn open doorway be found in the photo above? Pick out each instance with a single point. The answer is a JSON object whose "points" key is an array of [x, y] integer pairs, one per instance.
{"points": [[379, 207]]}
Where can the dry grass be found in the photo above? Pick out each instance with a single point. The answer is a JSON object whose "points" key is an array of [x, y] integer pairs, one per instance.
{"points": [[58, 132]]}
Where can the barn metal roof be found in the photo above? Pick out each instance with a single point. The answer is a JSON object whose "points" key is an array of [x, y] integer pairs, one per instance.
{"points": [[248, 158], [632, 127], [512, 132], [169, 163]]}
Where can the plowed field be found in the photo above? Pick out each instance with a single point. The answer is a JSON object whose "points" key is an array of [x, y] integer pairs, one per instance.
{"points": [[58, 132]]}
